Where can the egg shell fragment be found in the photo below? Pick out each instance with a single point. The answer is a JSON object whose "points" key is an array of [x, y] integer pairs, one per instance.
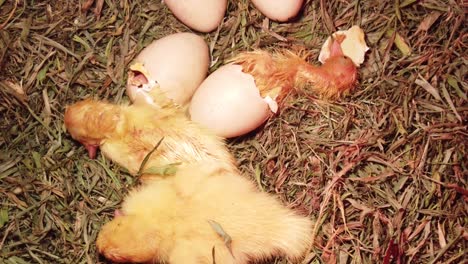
{"points": [[279, 10], [176, 64], [201, 15], [229, 103], [353, 46]]}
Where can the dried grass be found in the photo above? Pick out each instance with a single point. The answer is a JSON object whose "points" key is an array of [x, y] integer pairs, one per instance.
{"points": [[383, 172]]}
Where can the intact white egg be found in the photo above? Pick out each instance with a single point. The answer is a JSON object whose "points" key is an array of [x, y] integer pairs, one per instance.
{"points": [[229, 103], [279, 10], [172, 66], [201, 15]]}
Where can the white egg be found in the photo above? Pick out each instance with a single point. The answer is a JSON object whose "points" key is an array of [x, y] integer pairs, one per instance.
{"points": [[201, 15], [279, 10], [174, 65], [229, 103]]}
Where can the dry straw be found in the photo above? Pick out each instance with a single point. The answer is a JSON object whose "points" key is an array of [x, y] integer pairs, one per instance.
{"points": [[382, 172]]}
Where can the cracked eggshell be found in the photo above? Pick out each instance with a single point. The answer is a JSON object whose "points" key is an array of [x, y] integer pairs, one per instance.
{"points": [[229, 103], [175, 64], [201, 15], [279, 10], [354, 45]]}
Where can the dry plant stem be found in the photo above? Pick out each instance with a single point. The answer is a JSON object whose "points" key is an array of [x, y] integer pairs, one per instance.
{"points": [[10, 15], [143, 164], [327, 193]]}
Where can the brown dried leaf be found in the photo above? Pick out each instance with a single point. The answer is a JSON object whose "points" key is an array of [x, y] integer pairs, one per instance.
{"points": [[428, 87], [98, 9], [365, 210], [13, 198], [418, 229], [427, 231], [15, 89], [282, 177], [376, 232], [86, 5], [441, 235], [450, 102], [400, 42], [428, 21]]}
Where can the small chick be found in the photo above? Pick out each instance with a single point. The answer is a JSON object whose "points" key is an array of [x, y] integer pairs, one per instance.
{"points": [[203, 212], [277, 73], [126, 134], [335, 77]]}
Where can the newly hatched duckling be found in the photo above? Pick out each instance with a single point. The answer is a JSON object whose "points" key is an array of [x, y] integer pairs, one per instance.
{"points": [[182, 219], [127, 133]]}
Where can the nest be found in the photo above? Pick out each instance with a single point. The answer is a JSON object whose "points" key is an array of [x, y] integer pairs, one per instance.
{"points": [[382, 172]]}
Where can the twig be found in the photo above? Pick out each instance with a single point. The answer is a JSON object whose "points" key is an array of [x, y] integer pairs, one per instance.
{"points": [[145, 160], [10, 15]]}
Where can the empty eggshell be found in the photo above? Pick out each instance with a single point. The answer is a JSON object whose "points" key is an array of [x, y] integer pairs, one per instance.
{"points": [[229, 103], [174, 65], [354, 45], [201, 15], [277, 10]]}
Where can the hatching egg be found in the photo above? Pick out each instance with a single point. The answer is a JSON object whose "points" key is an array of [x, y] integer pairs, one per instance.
{"points": [[280, 11], [172, 66], [229, 103], [201, 15]]}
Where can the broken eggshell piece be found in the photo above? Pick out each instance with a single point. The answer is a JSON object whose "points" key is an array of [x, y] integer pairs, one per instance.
{"points": [[353, 45], [171, 68], [139, 87], [229, 103]]}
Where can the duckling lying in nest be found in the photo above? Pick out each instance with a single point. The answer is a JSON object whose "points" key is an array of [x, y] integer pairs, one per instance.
{"points": [[203, 214], [127, 133]]}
